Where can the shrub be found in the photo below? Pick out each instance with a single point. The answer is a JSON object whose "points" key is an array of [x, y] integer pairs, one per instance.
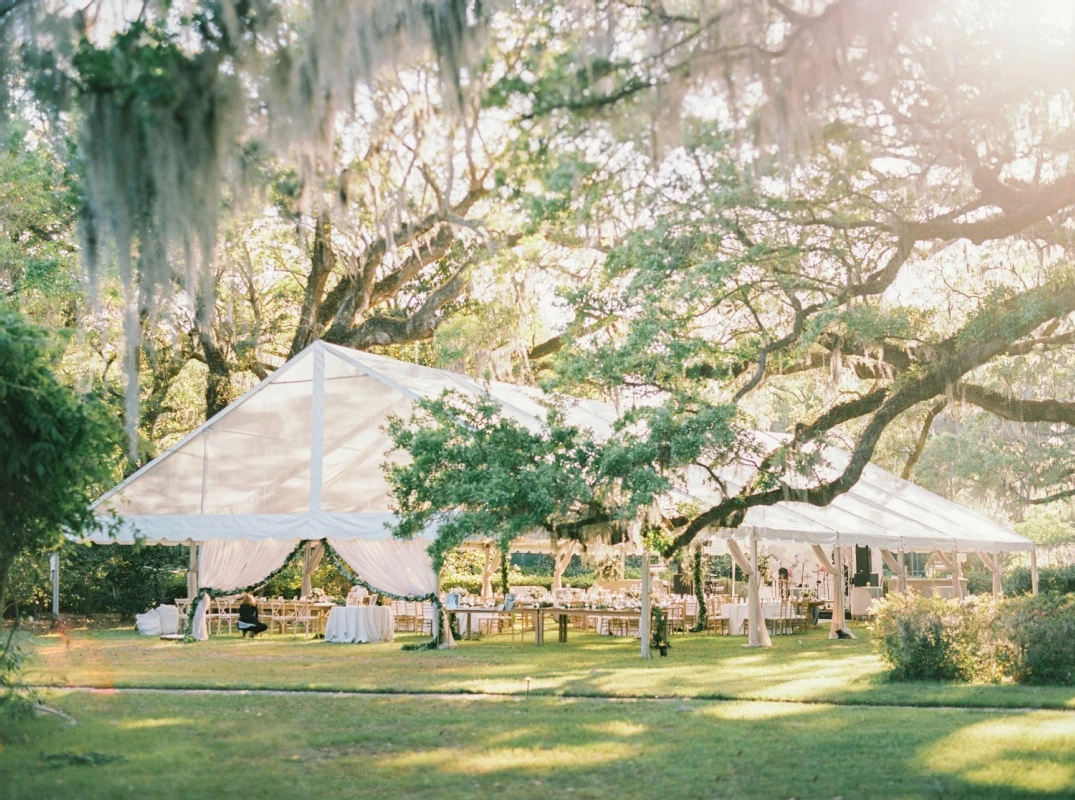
{"points": [[1040, 636], [979, 580], [1060, 579], [931, 638]]}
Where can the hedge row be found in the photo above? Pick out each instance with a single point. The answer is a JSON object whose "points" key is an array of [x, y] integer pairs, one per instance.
{"points": [[1025, 639]]}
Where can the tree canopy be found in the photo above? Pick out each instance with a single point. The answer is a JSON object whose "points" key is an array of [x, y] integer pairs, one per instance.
{"points": [[58, 450], [842, 220]]}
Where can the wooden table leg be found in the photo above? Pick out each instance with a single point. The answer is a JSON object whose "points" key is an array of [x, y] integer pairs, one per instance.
{"points": [[563, 628], [539, 626]]}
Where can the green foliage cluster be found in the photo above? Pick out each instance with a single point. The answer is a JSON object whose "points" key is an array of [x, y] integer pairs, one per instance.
{"points": [[473, 470], [1052, 579], [57, 452], [58, 449], [1040, 632], [1024, 639], [931, 638], [101, 579]]}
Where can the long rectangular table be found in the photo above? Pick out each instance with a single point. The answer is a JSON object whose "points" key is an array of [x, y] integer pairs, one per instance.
{"points": [[561, 613]]}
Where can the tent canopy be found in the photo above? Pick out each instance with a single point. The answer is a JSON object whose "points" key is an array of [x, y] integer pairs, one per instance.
{"points": [[300, 457]]}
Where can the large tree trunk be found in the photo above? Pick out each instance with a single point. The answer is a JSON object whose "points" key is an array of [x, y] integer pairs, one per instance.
{"points": [[322, 263], [218, 382]]}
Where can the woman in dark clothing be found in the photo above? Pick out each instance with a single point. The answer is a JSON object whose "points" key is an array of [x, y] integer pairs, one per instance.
{"points": [[248, 616]]}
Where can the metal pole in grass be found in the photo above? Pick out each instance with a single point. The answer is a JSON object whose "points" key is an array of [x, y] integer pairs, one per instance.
{"points": [[54, 567]]}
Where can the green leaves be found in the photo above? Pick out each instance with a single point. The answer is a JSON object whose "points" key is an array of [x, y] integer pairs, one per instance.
{"points": [[474, 471], [58, 450]]}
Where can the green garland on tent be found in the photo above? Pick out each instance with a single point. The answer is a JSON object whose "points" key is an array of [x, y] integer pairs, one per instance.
{"points": [[188, 635], [699, 591]]}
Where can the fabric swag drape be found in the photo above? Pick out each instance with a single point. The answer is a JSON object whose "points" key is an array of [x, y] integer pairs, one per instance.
{"points": [[228, 565], [391, 566], [757, 631]]}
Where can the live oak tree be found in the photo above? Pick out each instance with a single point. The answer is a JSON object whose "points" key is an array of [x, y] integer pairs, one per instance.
{"points": [[870, 199]]}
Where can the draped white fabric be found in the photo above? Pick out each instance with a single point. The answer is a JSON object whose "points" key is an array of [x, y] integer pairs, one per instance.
{"points": [[233, 565], [823, 559], [897, 567], [757, 631], [392, 566], [311, 560], [838, 626], [360, 624], [200, 630]]}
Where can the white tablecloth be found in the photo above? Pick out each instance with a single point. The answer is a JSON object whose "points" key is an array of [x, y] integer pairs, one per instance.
{"points": [[360, 624], [736, 614]]}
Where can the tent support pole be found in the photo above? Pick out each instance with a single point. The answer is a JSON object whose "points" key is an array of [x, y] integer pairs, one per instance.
{"points": [[901, 579], [54, 568], [446, 640], [644, 619], [957, 576], [192, 570], [1034, 571]]}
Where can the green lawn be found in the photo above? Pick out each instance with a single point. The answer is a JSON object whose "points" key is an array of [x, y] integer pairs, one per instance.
{"points": [[802, 668], [331, 746], [328, 745]]}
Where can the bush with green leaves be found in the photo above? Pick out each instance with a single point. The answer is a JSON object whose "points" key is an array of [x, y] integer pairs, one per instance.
{"points": [[932, 638], [1040, 634], [58, 450], [1058, 579]]}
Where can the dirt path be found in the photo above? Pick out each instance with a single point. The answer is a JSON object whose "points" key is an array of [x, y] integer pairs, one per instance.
{"points": [[488, 696]]}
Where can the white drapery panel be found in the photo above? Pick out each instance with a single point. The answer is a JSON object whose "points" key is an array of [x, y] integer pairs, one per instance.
{"points": [[392, 566], [823, 559], [835, 567], [234, 565], [311, 560], [952, 564], [898, 567], [757, 631], [993, 564], [200, 629]]}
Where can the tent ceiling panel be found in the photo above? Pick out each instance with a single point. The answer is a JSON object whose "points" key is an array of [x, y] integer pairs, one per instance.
{"points": [[247, 472]]}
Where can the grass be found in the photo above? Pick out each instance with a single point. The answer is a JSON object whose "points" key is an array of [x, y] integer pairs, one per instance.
{"points": [[833, 741], [797, 668], [330, 746]]}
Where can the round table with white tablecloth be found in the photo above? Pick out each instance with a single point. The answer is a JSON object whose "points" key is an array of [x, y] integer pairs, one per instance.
{"points": [[360, 624], [736, 614]]}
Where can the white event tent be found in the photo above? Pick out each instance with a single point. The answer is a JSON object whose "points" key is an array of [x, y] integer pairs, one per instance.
{"points": [[298, 459]]}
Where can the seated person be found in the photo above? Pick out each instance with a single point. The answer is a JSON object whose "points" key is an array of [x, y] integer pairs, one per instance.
{"points": [[248, 616]]}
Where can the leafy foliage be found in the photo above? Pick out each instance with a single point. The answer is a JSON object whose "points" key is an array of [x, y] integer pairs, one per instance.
{"points": [[1025, 639], [931, 638], [57, 452], [1041, 635], [474, 471]]}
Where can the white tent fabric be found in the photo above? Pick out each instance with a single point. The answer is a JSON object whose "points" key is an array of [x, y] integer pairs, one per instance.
{"points": [[401, 568], [236, 564], [757, 631], [299, 457], [230, 565]]}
